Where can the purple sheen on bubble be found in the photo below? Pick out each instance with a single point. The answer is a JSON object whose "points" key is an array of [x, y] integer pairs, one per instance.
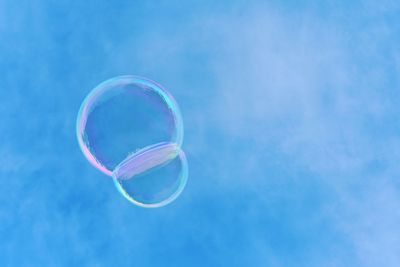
{"points": [[146, 159]]}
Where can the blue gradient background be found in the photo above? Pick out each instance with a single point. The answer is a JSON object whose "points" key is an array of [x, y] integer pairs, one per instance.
{"points": [[292, 132]]}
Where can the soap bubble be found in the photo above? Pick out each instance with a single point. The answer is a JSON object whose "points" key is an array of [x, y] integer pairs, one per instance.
{"points": [[123, 115], [130, 128], [154, 176]]}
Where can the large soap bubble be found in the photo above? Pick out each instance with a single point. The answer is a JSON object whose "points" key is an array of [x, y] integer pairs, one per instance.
{"points": [[131, 128]]}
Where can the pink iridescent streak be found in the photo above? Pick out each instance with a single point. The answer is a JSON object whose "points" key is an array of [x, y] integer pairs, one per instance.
{"points": [[146, 159], [82, 119]]}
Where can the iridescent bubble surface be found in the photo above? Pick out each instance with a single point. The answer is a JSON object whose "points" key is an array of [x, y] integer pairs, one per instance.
{"points": [[131, 128]]}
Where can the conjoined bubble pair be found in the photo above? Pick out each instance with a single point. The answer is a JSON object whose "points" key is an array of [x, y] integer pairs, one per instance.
{"points": [[131, 129]]}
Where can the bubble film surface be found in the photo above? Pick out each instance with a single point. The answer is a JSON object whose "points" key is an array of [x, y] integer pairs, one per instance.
{"points": [[131, 128]]}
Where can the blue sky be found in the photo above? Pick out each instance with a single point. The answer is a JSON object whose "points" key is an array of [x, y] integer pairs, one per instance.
{"points": [[291, 132]]}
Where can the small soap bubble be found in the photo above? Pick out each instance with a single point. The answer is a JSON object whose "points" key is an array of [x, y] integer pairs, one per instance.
{"points": [[131, 128], [154, 176]]}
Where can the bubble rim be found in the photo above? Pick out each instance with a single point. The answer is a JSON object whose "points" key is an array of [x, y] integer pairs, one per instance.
{"points": [[107, 85]]}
